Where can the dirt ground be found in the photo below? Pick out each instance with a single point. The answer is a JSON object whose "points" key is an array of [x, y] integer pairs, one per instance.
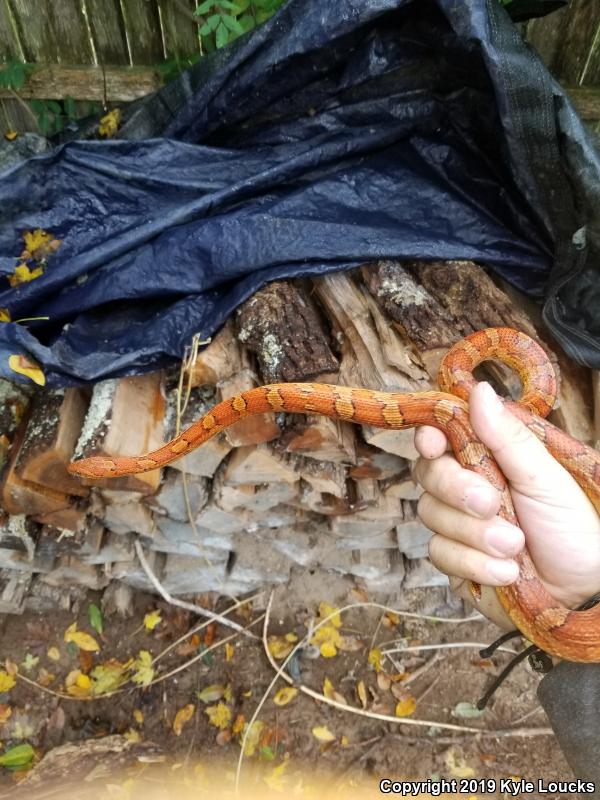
{"points": [[301, 748]]}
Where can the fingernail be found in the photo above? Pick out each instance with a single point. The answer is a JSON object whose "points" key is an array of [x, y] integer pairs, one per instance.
{"points": [[479, 500], [504, 538], [504, 571], [493, 402]]}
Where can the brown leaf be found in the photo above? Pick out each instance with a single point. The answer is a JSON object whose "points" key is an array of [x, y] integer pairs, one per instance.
{"points": [[223, 738], [183, 715], [210, 633], [5, 713], [190, 647], [349, 644], [383, 681], [86, 661], [362, 693]]}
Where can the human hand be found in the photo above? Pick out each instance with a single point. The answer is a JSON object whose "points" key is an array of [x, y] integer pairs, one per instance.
{"points": [[471, 543]]}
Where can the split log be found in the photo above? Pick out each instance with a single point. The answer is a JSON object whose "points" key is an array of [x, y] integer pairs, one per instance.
{"points": [[14, 402], [125, 418], [253, 429], [320, 438], [281, 326], [260, 464], [218, 360], [52, 431]]}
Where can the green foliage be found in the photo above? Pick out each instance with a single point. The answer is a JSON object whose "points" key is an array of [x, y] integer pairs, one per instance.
{"points": [[14, 75], [17, 757], [225, 20], [95, 616]]}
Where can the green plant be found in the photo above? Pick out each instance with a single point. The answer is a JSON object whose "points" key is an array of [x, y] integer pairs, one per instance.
{"points": [[14, 75], [225, 20]]}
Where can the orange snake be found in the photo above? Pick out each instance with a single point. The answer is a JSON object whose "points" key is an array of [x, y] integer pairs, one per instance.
{"points": [[568, 634]]}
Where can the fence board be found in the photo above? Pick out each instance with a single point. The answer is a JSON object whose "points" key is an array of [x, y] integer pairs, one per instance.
{"points": [[9, 45], [70, 31], [180, 33], [142, 24], [108, 30], [546, 35], [577, 41], [123, 84], [36, 35]]}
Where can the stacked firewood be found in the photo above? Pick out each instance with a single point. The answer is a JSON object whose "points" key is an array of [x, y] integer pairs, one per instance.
{"points": [[274, 492]]}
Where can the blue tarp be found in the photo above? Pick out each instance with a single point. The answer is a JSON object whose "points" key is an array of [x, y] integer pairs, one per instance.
{"points": [[335, 134]]}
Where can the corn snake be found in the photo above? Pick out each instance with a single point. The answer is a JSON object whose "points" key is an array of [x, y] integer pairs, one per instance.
{"points": [[568, 634]]}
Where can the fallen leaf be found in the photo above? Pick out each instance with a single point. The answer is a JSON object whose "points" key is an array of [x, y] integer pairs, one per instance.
{"points": [[325, 611], [144, 671], [238, 725], [6, 681], [108, 677], [28, 368], [10, 135], [229, 651], [4, 315], [83, 640], [375, 659], [209, 635], [465, 710], [17, 757], [223, 737], [11, 667], [330, 693], [323, 734], [212, 693], [152, 619], [35, 240], [383, 681], [29, 662], [390, 619], [44, 677], [53, 653], [285, 696], [95, 617], [5, 713], [253, 736], [138, 715], [349, 644], [23, 274], [327, 638], [274, 778], [183, 715], [78, 684], [132, 736], [279, 647], [458, 766], [190, 647], [109, 123], [362, 693], [219, 715], [406, 706]]}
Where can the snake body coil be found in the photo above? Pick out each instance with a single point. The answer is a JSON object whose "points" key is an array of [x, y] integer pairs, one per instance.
{"points": [[573, 635]]}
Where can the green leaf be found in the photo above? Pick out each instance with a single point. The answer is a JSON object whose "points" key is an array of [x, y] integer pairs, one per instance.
{"points": [[222, 36], [233, 25], [213, 21], [17, 757], [205, 7], [227, 4], [70, 107], [247, 22], [55, 107], [29, 662], [466, 710], [95, 616], [267, 753]]}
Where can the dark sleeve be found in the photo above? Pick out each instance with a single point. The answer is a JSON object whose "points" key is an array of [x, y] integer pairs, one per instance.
{"points": [[570, 695]]}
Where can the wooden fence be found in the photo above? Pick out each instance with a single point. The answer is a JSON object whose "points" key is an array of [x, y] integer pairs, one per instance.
{"points": [[110, 49]]}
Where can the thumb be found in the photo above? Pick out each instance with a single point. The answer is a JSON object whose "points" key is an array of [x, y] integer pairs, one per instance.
{"points": [[523, 459]]}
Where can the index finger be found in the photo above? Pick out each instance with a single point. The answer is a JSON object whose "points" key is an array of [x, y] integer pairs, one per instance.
{"points": [[430, 442]]}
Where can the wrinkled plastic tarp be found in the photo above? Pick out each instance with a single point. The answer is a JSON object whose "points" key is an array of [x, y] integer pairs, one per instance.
{"points": [[335, 134]]}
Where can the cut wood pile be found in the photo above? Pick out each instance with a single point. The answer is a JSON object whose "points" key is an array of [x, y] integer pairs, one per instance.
{"points": [[274, 492]]}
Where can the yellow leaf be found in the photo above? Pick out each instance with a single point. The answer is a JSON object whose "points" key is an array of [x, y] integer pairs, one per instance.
{"points": [[406, 706], [344, 741], [4, 315], [328, 689], [212, 693], [219, 715], [109, 124], [144, 671], [375, 659], [132, 735], [458, 766], [5, 713], [78, 684], [36, 239], [362, 693], [228, 651], [328, 650], [107, 677], [84, 682], [274, 778], [238, 724], [6, 681], [54, 653], [28, 368], [138, 715], [83, 640], [183, 715], [285, 696], [279, 647], [323, 734], [10, 135], [325, 610], [291, 637], [253, 737], [228, 694], [152, 619], [23, 274]]}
